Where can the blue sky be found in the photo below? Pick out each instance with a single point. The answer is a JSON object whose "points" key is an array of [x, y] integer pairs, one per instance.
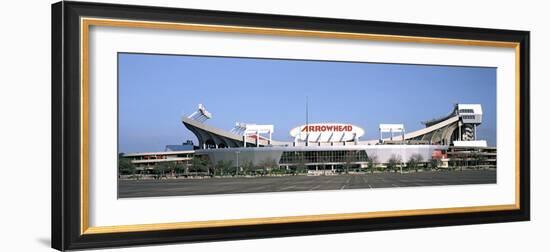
{"points": [[156, 90]]}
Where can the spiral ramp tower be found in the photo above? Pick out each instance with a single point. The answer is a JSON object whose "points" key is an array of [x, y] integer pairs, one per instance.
{"points": [[459, 126]]}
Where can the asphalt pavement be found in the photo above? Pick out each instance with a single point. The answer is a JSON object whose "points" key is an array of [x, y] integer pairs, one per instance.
{"points": [[230, 185]]}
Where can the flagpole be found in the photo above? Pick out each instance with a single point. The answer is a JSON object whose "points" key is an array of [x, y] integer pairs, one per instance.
{"points": [[307, 122]]}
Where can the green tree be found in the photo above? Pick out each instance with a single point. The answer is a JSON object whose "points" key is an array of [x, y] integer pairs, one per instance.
{"points": [[434, 164], [223, 167], [179, 168], [454, 164], [324, 160], [301, 166], [210, 168], [247, 167], [372, 160], [394, 162], [479, 160], [198, 165], [348, 159], [414, 162], [270, 166], [126, 167], [161, 168]]}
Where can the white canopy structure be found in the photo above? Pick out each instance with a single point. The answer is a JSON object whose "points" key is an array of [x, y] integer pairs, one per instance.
{"points": [[253, 130], [392, 129], [201, 115]]}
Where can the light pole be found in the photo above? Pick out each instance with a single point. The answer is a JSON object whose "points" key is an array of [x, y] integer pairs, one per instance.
{"points": [[238, 168]]}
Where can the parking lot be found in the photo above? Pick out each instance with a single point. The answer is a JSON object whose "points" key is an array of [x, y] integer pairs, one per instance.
{"points": [[181, 187]]}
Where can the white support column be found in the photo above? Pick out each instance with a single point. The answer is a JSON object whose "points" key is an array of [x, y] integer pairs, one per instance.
{"points": [[475, 132], [459, 132], [257, 139], [244, 140]]}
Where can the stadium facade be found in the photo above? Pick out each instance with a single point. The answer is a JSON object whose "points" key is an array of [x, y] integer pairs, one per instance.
{"points": [[329, 146]]}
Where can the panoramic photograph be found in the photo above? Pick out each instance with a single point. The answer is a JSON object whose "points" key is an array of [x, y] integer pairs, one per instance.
{"points": [[202, 125]]}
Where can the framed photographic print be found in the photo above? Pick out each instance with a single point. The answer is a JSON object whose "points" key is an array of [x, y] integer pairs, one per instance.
{"points": [[179, 125]]}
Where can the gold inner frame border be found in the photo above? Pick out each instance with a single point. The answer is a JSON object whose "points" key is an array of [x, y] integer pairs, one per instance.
{"points": [[85, 24]]}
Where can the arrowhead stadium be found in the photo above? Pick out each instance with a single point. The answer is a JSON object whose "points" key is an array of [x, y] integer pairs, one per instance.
{"points": [[329, 147]]}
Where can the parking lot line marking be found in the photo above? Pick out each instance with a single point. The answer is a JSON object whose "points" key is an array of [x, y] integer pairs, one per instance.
{"points": [[286, 188], [315, 187]]}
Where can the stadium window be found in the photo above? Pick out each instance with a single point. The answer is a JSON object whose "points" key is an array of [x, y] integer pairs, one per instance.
{"points": [[466, 111]]}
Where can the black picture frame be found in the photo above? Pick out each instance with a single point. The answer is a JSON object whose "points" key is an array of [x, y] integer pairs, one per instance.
{"points": [[66, 124]]}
